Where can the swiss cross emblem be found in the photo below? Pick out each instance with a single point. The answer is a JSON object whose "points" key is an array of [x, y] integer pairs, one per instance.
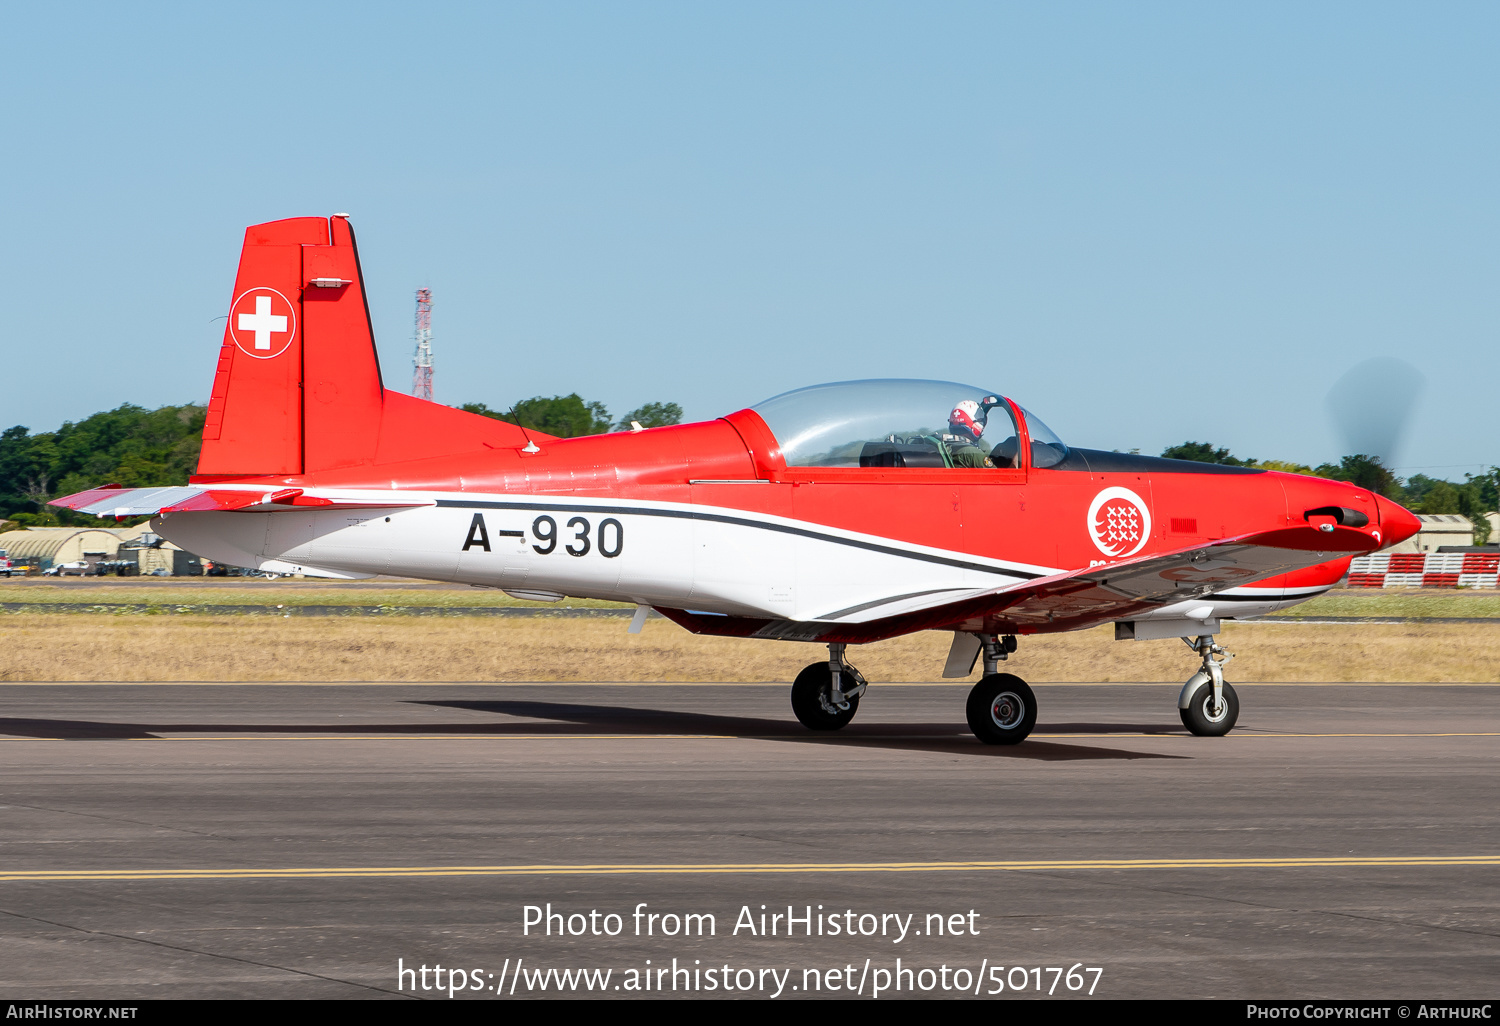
{"points": [[262, 323], [1119, 522]]}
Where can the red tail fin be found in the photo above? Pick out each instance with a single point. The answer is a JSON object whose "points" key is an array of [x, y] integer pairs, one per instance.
{"points": [[298, 386]]}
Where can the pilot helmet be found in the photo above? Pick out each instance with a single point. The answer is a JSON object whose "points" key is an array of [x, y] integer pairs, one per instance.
{"points": [[968, 417]]}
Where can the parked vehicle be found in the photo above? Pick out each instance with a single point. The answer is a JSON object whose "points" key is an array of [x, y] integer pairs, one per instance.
{"points": [[226, 570]]}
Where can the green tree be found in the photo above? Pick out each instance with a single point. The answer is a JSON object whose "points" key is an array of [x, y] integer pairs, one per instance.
{"points": [[652, 415], [1487, 486], [565, 416], [1442, 497], [1365, 471], [128, 445], [568, 416], [1285, 466], [1416, 489], [1204, 452]]}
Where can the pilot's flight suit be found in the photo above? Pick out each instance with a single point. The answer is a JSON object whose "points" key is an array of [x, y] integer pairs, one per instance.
{"points": [[964, 453]]}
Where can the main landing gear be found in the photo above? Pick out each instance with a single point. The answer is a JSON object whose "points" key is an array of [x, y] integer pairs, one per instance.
{"points": [[1001, 709], [825, 696], [1208, 705]]}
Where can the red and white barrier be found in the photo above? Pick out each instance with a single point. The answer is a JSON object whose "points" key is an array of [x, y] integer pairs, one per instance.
{"points": [[1425, 570]]}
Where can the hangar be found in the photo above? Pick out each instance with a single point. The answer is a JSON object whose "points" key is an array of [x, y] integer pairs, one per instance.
{"points": [[49, 546], [43, 547]]}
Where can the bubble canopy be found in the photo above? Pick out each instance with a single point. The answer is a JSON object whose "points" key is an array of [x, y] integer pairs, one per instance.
{"points": [[900, 422]]}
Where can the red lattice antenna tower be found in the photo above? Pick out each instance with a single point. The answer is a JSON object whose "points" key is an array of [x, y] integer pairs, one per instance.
{"points": [[421, 379]]}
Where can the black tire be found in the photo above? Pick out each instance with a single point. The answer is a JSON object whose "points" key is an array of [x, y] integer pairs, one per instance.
{"points": [[808, 691], [1001, 709], [1197, 719]]}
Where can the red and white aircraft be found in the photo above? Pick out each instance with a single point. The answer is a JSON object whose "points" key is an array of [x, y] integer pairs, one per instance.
{"points": [[839, 514]]}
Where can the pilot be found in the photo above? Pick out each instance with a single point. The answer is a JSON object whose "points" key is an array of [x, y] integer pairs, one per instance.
{"points": [[965, 428]]}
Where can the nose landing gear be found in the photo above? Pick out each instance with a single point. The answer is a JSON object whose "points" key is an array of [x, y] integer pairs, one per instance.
{"points": [[1208, 705]]}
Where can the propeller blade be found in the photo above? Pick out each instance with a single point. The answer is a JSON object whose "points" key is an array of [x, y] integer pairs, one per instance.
{"points": [[1372, 404]]}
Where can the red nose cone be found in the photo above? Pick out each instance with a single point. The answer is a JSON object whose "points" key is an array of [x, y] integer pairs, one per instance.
{"points": [[1396, 524]]}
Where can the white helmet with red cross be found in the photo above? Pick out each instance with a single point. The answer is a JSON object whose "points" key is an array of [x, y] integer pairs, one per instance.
{"points": [[968, 417]]}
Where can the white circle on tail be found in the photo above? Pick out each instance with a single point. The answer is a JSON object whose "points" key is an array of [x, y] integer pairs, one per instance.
{"points": [[262, 322], [1119, 522]]}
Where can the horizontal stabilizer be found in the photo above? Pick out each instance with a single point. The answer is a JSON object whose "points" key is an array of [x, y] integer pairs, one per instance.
{"points": [[141, 502]]}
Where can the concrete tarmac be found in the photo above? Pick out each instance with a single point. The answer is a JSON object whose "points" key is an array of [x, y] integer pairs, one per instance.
{"points": [[231, 840]]}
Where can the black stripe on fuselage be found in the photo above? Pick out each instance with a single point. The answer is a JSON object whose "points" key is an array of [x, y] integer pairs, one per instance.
{"points": [[1265, 598], [801, 532], [1097, 461]]}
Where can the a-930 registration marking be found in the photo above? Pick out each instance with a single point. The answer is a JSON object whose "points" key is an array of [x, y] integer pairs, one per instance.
{"points": [[581, 537]]}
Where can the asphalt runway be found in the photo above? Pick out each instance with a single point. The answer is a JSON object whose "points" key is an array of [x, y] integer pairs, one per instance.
{"points": [[312, 840]]}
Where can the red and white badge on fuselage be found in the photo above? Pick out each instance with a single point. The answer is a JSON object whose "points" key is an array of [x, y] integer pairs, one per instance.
{"points": [[262, 323], [1119, 522]]}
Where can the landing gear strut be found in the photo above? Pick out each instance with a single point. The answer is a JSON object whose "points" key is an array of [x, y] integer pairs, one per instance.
{"points": [[825, 696], [1208, 705], [1001, 709]]}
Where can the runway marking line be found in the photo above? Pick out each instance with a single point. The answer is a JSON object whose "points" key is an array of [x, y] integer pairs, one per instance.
{"points": [[852, 740], [716, 683], [748, 868], [414, 737]]}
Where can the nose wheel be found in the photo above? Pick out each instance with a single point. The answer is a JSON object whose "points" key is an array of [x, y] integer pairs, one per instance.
{"points": [[1208, 704], [1202, 718]]}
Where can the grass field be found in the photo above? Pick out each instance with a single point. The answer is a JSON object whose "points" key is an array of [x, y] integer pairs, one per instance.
{"points": [[165, 592], [92, 647], [1432, 602]]}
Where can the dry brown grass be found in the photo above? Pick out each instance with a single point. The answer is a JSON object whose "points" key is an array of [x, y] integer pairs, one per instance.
{"points": [[173, 591], [84, 647]]}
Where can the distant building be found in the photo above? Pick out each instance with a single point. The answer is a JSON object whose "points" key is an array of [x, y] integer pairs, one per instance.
{"points": [[48, 546], [1438, 529], [153, 554], [43, 547]]}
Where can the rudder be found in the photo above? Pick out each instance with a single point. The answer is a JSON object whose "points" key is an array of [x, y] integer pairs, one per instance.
{"points": [[298, 387], [254, 422]]}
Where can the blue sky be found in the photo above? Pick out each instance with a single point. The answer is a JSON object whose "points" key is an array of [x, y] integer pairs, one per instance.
{"points": [[1146, 222]]}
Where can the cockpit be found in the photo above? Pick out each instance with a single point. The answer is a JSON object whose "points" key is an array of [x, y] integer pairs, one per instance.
{"points": [[903, 423]]}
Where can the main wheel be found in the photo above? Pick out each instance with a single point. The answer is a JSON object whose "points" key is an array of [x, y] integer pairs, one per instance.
{"points": [[1199, 718], [810, 690], [1001, 709]]}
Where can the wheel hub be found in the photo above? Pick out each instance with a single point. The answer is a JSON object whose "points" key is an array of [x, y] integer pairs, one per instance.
{"points": [[1007, 710]]}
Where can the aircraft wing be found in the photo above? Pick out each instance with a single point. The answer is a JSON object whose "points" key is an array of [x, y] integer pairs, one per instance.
{"points": [[1071, 601], [115, 501], [1115, 591]]}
